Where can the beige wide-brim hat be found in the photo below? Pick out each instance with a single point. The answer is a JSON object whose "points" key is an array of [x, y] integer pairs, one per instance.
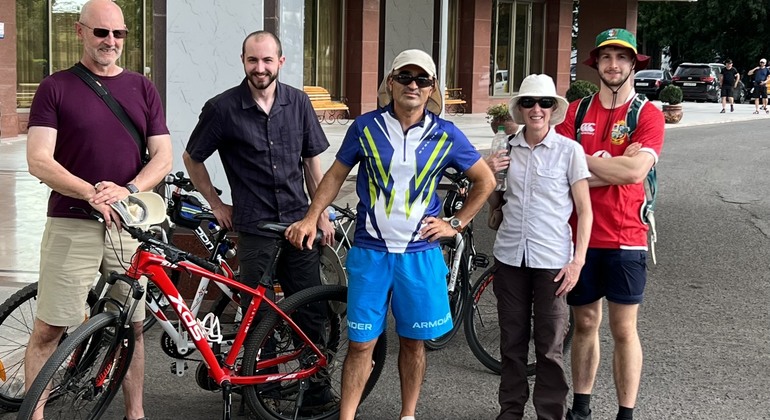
{"points": [[422, 60], [141, 209], [538, 86]]}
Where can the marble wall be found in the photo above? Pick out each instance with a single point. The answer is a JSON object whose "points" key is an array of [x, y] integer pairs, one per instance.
{"points": [[203, 59], [408, 24]]}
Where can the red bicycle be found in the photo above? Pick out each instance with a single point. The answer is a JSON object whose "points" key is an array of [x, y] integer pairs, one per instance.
{"points": [[273, 365]]}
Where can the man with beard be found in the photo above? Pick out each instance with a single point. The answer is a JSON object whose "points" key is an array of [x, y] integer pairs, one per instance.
{"points": [[269, 140], [615, 265], [82, 151]]}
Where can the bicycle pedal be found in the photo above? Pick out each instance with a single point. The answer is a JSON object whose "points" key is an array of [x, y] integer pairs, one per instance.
{"points": [[481, 260]]}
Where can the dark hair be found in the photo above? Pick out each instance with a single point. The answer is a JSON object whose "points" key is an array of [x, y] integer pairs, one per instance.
{"points": [[728, 61], [262, 34]]}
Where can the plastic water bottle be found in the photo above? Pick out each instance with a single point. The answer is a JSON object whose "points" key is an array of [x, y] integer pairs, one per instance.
{"points": [[332, 213], [500, 142]]}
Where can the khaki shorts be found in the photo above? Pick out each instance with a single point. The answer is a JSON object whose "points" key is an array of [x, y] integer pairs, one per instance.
{"points": [[72, 254]]}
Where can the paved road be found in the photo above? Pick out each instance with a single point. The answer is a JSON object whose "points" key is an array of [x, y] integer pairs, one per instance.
{"points": [[704, 322]]}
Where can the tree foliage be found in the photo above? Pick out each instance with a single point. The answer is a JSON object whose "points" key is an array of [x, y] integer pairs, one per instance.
{"points": [[706, 30]]}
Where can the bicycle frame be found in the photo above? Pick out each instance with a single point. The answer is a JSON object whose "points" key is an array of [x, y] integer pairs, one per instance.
{"points": [[153, 266]]}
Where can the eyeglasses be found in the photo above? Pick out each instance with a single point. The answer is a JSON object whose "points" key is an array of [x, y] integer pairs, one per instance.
{"points": [[545, 103], [407, 79], [104, 33]]}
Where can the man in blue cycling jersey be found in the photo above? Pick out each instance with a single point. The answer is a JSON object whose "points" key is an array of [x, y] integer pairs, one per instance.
{"points": [[402, 150]]}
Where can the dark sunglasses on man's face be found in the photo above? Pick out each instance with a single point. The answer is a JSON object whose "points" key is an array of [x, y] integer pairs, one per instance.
{"points": [[104, 33], [544, 103], [406, 79]]}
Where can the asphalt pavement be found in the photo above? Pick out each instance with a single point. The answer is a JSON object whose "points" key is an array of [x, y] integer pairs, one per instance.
{"points": [[704, 322]]}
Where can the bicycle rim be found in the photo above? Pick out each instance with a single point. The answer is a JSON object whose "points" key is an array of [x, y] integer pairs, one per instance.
{"points": [[84, 373], [482, 329], [17, 317], [274, 338]]}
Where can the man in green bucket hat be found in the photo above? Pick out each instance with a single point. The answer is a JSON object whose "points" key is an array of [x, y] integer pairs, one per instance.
{"points": [[619, 158]]}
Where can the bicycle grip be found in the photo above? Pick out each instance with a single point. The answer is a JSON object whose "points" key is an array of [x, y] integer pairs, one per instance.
{"points": [[201, 262]]}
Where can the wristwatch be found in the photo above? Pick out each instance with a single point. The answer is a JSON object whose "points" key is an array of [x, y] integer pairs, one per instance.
{"points": [[132, 188], [455, 223]]}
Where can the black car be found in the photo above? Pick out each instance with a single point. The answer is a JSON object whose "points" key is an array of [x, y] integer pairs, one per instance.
{"points": [[699, 81], [651, 82]]}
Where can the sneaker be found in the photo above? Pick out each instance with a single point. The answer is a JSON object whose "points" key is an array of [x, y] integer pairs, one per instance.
{"points": [[318, 400], [732, 108], [722, 111], [573, 416]]}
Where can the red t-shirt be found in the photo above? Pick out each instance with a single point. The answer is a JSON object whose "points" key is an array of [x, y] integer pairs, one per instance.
{"points": [[616, 208], [91, 143]]}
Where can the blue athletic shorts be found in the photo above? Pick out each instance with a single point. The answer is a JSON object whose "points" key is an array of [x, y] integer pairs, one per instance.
{"points": [[618, 274], [413, 282]]}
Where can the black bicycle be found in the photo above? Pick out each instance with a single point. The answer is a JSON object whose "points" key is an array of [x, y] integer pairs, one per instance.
{"points": [[460, 255]]}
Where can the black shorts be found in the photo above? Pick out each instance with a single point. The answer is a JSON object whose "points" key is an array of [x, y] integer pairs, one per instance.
{"points": [[760, 91], [618, 274], [727, 91]]}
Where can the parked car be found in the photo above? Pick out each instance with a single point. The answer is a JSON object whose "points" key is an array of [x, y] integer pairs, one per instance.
{"points": [[700, 82], [651, 82]]}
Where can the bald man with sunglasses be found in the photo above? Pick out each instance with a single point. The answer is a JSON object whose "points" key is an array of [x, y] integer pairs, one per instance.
{"points": [[81, 150], [402, 150]]}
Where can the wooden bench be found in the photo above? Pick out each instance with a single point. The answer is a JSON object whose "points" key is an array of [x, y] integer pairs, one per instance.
{"points": [[327, 109], [454, 101]]}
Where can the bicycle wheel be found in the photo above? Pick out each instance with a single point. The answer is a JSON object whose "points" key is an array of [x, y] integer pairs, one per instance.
{"points": [[457, 299], [481, 325], [17, 317], [482, 328], [85, 371], [273, 338]]}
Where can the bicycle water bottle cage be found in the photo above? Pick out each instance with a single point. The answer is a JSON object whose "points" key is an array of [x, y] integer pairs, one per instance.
{"points": [[186, 207], [210, 326]]}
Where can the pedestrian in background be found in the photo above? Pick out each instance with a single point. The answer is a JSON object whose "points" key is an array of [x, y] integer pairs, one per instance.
{"points": [[728, 80], [761, 74]]}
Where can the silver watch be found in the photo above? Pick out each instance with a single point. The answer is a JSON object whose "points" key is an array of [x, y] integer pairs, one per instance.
{"points": [[455, 223]]}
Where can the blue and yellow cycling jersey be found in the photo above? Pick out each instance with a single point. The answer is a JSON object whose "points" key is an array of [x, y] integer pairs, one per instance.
{"points": [[398, 175]]}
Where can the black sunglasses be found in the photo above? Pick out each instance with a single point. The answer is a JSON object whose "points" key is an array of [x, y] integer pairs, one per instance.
{"points": [[545, 103], [406, 79], [104, 33]]}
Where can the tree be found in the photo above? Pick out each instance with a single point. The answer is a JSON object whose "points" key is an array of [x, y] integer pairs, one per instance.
{"points": [[706, 30]]}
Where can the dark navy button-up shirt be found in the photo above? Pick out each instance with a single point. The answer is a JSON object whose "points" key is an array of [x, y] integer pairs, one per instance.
{"points": [[261, 154]]}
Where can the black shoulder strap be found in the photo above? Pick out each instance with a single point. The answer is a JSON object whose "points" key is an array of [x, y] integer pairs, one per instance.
{"points": [[581, 113], [88, 77]]}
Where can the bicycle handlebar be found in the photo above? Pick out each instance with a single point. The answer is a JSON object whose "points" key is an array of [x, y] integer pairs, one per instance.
{"points": [[179, 180]]}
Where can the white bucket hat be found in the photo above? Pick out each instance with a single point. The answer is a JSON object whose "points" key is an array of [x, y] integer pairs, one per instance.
{"points": [[141, 209], [538, 86], [422, 60]]}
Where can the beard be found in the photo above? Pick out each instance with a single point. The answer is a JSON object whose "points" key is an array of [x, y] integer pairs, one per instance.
{"points": [[616, 82], [101, 56], [254, 79]]}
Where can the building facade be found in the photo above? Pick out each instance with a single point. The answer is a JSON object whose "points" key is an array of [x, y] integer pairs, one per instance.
{"points": [[191, 50]]}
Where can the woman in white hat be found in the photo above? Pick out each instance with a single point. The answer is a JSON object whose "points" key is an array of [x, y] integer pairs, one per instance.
{"points": [[536, 262]]}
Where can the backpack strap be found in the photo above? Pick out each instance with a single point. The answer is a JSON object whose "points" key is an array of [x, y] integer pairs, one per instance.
{"points": [[632, 115], [581, 113]]}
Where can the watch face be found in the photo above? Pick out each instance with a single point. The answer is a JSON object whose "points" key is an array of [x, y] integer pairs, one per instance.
{"points": [[455, 223]]}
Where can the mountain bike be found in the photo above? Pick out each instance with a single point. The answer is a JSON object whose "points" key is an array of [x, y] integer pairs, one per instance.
{"points": [[17, 313], [482, 328], [274, 364], [460, 255]]}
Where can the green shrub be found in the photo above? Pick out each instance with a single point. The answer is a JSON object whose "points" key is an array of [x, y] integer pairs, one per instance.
{"points": [[671, 95], [580, 89]]}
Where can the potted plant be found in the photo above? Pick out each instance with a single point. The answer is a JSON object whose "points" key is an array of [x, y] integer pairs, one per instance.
{"points": [[498, 115], [671, 96]]}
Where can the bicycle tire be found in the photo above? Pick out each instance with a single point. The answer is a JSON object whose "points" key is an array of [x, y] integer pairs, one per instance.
{"points": [[457, 302], [278, 400], [482, 328], [17, 318], [98, 352]]}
